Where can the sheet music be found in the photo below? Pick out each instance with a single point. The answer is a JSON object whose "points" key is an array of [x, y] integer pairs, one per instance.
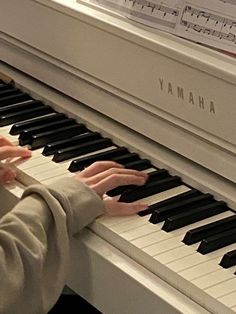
{"points": [[211, 22], [157, 14]]}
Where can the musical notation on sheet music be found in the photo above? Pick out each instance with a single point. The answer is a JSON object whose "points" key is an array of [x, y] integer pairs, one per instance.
{"points": [[210, 22], [151, 13]]}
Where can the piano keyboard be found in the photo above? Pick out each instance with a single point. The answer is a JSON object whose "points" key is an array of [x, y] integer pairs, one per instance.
{"points": [[185, 236]]}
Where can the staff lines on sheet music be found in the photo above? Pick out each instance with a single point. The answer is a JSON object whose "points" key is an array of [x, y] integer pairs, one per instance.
{"points": [[145, 12], [205, 30], [218, 30], [212, 21], [159, 7], [202, 12], [155, 6], [131, 4]]}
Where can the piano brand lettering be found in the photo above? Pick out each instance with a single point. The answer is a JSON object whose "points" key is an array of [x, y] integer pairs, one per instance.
{"points": [[186, 96]]}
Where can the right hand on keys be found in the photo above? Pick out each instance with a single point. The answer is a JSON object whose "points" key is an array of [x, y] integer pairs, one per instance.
{"points": [[8, 150], [106, 175]]}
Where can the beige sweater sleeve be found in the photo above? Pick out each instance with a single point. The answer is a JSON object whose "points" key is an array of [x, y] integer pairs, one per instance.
{"points": [[34, 244]]}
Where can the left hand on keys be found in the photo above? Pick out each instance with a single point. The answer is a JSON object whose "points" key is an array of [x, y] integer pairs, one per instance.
{"points": [[8, 150]]}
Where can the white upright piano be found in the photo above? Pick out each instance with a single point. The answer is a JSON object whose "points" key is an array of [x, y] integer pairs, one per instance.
{"points": [[170, 101]]}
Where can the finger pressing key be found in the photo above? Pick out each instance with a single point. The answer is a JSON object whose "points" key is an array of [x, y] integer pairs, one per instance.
{"points": [[13, 151]]}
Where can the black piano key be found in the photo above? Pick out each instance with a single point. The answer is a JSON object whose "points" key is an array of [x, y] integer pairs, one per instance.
{"points": [[151, 188], [229, 259], [162, 213], [82, 149], [158, 174], [153, 176], [26, 135], [4, 86], [13, 99], [197, 214], [140, 165], [52, 148], [39, 120], [17, 108], [24, 114], [127, 158], [217, 241], [42, 139], [172, 200], [8, 92], [197, 234], [80, 163]]}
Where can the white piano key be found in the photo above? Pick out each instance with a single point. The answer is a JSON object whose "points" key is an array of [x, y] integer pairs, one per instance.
{"points": [[38, 153], [144, 241], [174, 240], [129, 225], [223, 288], [143, 234], [33, 163], [49, 174], [4, 131], [110, 221], [45, 167], [163, 246], [190, 261], [214, 278], [197, 258], [150, 236], [180, 233], [201, 269], [176, 254], [229, 300], [52, 180], [147, 235]]}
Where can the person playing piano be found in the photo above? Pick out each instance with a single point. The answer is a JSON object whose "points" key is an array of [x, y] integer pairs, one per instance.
{"points": [[35, 234]]}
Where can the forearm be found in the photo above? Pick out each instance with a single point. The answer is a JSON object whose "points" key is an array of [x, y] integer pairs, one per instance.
{"points": [[34, 244]]}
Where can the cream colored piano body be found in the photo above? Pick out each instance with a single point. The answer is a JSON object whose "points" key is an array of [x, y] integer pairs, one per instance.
{"points": [[165, 98]]}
